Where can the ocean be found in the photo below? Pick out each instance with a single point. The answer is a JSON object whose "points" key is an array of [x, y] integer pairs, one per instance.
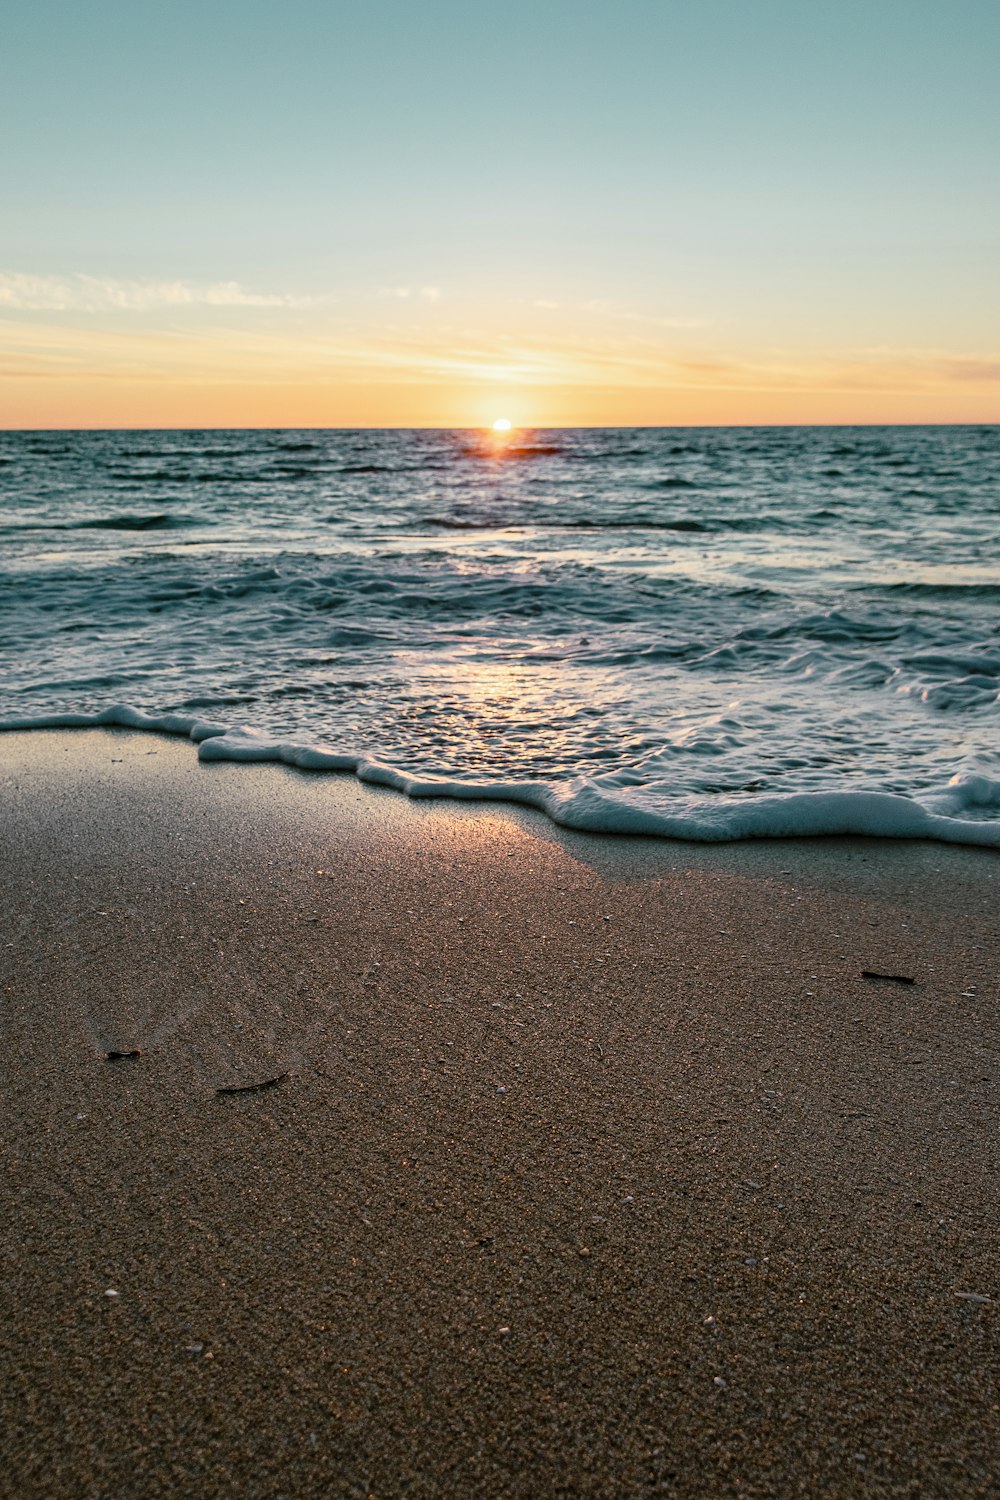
{"points": [[699, 633]]}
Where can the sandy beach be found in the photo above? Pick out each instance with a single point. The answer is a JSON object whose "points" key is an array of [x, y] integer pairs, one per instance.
{"points": [[595, 1167]]}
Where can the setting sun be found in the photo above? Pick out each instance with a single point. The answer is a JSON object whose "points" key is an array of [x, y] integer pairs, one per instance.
{"points": [[502, 424]]}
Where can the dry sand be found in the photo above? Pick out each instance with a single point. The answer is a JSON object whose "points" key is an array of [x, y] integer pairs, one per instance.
{"points": [[599, 1169]]}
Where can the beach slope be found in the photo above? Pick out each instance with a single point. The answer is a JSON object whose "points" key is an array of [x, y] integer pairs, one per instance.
{"points": [[583, 1167]]}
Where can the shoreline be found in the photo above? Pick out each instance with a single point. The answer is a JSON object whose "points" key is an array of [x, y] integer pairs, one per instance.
{"points": [[584, 805], [600, 1169]]}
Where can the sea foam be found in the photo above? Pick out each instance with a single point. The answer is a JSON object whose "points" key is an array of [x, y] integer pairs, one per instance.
{"points": [[707, 633], [585, 806]]}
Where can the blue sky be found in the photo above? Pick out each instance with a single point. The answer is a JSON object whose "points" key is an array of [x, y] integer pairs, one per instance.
{"points": [[624, 195]]}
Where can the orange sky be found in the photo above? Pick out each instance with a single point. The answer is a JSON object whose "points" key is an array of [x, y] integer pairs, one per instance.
{"points": [[280, 367], [403, 215], [104, 404]]}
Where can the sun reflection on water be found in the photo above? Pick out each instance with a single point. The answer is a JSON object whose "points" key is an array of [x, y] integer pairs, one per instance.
{"points": [[498, 718]]}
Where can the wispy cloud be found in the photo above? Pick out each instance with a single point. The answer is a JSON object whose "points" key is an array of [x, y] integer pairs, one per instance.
{"points": [[310, 355], [871, 370], [599, 309], [22, 292], [405, 293]]}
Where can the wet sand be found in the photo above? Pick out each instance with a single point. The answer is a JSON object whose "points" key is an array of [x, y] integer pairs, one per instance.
{"points": [[598, 1169]]}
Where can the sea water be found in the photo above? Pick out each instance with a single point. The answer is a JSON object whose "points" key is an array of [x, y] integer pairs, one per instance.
{"points": [[703, 633]]}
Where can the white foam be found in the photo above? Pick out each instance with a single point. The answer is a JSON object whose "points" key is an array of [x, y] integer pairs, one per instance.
{"points": [[584, 805], [120, 716]]}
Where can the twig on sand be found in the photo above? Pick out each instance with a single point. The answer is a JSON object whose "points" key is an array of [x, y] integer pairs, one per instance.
{"points": [[892, 978], [253, 1088], [117, 1056]]}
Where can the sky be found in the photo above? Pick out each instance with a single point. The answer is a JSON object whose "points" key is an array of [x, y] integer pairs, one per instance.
{"points": [[382, 214]]}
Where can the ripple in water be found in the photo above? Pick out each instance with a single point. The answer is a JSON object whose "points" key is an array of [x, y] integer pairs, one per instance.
{"points": [[665, 630]]}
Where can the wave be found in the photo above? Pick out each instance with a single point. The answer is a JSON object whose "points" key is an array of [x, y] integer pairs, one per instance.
{"points": [[368, 469], [129, 453], [228, 477], [955, 661], [532, 450], [136, 478], [591, 806], [939, 590], [521, 521], [670, 523], [644, 523], [157, 521], [469, 523], [485, 448]]}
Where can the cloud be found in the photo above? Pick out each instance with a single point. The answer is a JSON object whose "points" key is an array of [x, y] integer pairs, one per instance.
{"points": [[596, 309], [872, 370], [674, 322], [979, 370], [404, 293], [77, 292], [311, 353], [628, 315]]}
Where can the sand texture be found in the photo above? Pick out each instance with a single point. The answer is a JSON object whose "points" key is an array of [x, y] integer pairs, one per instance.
{"points": [[598, 1169]]}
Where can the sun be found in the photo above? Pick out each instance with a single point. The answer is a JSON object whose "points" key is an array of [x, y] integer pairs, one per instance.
{"points": [[502, 424]]}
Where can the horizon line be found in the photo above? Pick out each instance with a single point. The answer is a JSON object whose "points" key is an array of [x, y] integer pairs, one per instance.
{"points": [[486, 427]]}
